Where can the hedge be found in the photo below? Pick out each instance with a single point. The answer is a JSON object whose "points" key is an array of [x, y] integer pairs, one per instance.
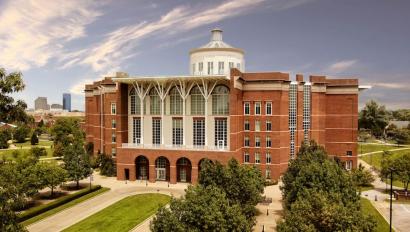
{"points": [[54, 204]]}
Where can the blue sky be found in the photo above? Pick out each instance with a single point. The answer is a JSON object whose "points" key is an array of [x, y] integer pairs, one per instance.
{"points": [[60, 45]]}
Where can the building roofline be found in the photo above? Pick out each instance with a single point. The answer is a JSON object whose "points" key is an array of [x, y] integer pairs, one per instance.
{"points": [[168, 78], [217, 49]]}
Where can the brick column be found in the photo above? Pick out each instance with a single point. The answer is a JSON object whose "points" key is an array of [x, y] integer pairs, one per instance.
{"points": [[173, 174], [194, 175], [133, 170], [152, 173]]}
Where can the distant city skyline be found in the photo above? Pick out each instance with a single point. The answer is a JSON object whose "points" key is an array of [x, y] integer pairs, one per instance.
{"points": [[76, 42]]}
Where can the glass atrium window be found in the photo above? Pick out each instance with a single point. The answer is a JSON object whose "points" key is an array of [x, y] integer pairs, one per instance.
{"points": [[155, 102], [156, 131], [136, 130], [220, 100], [175, 102], [197, 102], [199, 132], [210, 68], [135, 103], [177, 131]]}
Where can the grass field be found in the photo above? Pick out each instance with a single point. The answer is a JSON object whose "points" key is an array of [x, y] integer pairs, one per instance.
{"points": [[368, 209], [366, 148], [123, 215], [63, 207], [25, 147]]}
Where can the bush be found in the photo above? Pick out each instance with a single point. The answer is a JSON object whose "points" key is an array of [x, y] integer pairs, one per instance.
{"points": [[271, 182], [38, 151], [43, 208], [5, 135], [34, 139], [107, 165]]}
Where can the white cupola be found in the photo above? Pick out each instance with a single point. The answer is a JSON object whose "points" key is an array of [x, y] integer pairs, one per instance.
{"points": [[216, 57]]}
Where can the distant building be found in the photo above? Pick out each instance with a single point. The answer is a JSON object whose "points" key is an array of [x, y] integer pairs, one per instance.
{"points": [[41, 104], [400, 124], [67, 102], [56, 107]]}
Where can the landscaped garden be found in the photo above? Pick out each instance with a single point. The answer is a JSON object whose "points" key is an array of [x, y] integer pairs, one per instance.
{"points": [[123, 215]]}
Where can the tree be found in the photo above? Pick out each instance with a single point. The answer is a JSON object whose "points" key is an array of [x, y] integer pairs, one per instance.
{"points": [[11, 110], [202, 209], [89, 147], [107, 165], [373, 117], [319, 195], [76, 162], [65, 130], [21, 133], [5, 136], [37, 152], [362, 177], [402, 166], [401, 136], [51, 175], [34, 139], [243, 185]]}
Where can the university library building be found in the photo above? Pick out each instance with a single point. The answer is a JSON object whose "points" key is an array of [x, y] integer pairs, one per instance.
{"points": [[160, 128]]}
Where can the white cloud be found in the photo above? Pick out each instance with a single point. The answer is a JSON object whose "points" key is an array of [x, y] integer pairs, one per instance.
{"points": [[33, 32], [122, 43], [341, 66]]}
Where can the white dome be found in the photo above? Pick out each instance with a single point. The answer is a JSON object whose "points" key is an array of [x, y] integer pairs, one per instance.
{"points": [[216, 57]]}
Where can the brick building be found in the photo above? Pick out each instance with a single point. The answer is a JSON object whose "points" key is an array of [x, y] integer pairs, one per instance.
{"points": [[218, 113]]}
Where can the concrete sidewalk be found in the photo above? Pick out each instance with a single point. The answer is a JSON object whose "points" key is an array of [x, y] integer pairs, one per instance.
{"points": [[119, 190]]}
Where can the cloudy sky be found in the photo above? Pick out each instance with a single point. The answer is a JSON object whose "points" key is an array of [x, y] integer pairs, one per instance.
{"points": [[60, 45]]}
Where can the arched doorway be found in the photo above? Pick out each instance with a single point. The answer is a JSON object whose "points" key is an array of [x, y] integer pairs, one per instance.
{"points": [[142, 168], [162, 168], [184, 170]]}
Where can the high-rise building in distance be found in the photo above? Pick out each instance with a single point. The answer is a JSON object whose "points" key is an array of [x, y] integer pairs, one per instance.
{"points": [[67, 102], [41, 104]]}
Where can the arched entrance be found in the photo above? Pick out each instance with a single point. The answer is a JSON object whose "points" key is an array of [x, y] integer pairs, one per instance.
{"points": [[184, 170], [142, 168], [162, 168]]}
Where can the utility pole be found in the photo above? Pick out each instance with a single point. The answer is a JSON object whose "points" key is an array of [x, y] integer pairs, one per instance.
{"points": [[391, 197]]}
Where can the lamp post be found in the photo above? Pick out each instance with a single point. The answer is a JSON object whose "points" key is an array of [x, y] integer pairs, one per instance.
{"points": [[391, 196]]}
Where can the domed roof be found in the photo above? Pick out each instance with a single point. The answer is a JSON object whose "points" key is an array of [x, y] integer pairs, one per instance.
{"points": [[216, 43]]}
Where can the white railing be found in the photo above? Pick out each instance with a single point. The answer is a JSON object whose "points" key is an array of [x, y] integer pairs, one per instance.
{"points": [[174, 147]]}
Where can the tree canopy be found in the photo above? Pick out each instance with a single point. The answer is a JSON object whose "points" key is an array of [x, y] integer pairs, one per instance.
{"points": [[76, 162], [319, 195], [374, 117], [400, 166]]}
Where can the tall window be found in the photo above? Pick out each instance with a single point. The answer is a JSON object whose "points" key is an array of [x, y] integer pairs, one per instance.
{"points": [[113, 137], [257, 158], [257, 125], [113, 108], [135, 103], [113, 151], [246, 157], [268, 158], [246, 141], [177, 131], [267, 173], [349, 165], [306, 111], [156, 131], [113, 124], [220, 67], [200, 67], [268, 125], [268, 108], [268, 141], [231, 65], [193, 68], [197, 102], [136, 130], [257, 141], [246, 125], [293, 91], [238, 66], [155, 102], [175, 102], [199, 132], [221, 132], [220, 100], [257, 108], [210, 68], [246, 108]]}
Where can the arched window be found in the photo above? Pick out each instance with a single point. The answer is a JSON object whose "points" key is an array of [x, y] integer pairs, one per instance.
{"points": [[155, 102], [135, 103], [175, 101], [220, 100], [197, 102]]}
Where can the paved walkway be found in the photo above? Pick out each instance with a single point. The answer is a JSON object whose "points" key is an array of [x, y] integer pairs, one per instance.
{"points": [[119, 190], [271, 213], [401, 212]]}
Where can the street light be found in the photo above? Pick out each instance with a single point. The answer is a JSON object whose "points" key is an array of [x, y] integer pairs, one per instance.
{"points": [[391, 196]]}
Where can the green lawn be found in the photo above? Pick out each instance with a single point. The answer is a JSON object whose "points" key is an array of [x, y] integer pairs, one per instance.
{"points": [[63, 207], [28, 143], [366, 148], [123, 215], [8, 154], [368, 209]]}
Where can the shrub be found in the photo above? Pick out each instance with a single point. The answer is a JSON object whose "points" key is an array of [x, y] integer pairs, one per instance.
{"points": [[38, 151], [107, 165], [34, 139], [21, 133]]}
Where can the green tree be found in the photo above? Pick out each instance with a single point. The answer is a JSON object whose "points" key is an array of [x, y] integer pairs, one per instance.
{"points": [[401, 136], [11, 110], [34, 139], [319, 195], [373, 117], [65, 130], [362, 177], [107, 165], [37, 152], [89, 147], [21, 133], [76, 162], [402, 168], [5, 136], [202, 209], [51, 175]]}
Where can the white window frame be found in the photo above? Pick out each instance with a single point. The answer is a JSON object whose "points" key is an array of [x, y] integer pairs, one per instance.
{"points": [[268, 128], [246, 123], [246, 141], [113, 137], [257, 158], [246, 157], [113, 108], [246, 107], [258, 105], [113, 124], [268, 141], [257, 125], [268, 158], [257, 141], [268, 105]]}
